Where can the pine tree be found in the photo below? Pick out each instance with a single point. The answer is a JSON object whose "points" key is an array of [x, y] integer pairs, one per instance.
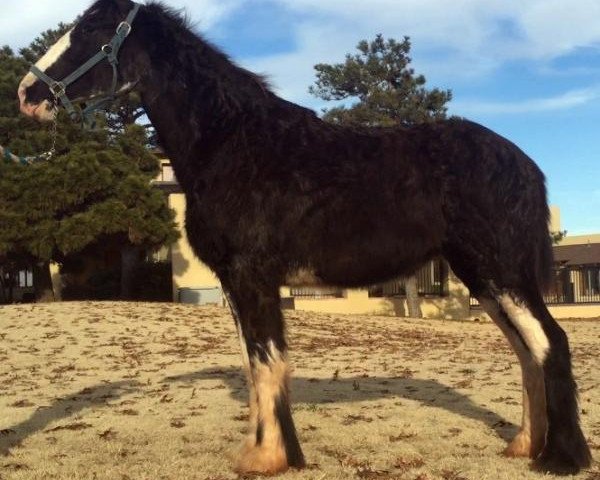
{"points": [[95, 191], [387, 90]]}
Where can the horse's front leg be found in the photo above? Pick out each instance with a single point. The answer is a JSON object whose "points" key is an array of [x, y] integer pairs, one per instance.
{"points": [[272, 445]]}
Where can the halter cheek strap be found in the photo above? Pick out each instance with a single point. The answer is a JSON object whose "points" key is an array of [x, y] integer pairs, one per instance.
{"points": [[109, 52]]}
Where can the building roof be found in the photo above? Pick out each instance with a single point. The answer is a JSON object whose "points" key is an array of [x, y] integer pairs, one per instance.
{"points": [[585, 254]]}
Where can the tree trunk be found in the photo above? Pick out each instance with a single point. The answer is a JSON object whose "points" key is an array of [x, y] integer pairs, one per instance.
{"points": [[412, 297], [42, 283], [129, 262], [3, 289]]}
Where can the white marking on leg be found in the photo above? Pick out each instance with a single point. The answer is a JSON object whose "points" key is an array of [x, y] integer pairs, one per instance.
{"points": [[528, 326], [270, 380]]}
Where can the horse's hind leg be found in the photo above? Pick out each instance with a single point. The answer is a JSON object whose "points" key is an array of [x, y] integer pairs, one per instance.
{"points": [[531, 438], [566, 450], [272, 445], [550, 433]]}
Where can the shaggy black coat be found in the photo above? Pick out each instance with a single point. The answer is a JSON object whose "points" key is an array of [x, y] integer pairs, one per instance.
{"points": [[271, 189]]}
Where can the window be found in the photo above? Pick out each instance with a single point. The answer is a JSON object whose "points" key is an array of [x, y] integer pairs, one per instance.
{"points": [[166, 173], [431, 280], [590, 284], [25, 279]]}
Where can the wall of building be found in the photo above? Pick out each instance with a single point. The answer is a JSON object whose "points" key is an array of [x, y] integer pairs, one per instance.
{"points": [[555, 225], [575, 311], [580, 239], [188, 271]]}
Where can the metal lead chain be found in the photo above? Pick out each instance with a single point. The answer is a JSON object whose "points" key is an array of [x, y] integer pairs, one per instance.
{"points": [[54, 135]]}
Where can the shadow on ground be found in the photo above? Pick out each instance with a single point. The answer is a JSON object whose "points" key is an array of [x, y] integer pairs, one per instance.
{"points": [[356, 389], [63, 408], [305, 391]]}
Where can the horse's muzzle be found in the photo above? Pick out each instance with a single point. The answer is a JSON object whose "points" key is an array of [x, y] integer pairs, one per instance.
{"points": [[41, 111]]}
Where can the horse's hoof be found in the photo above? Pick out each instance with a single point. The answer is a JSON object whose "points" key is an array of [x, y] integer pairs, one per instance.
{"points": [[519, 447], [259, 460]]}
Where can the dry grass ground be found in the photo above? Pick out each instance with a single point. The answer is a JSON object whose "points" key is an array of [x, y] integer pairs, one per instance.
{"points": [[139, 391]]}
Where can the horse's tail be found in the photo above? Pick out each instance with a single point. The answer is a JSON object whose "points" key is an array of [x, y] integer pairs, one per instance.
{"points": [[544, 267], [541, 266], [529, 215]]}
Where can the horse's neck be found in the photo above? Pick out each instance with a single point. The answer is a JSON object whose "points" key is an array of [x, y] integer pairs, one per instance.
{"points": [[195, 111]]}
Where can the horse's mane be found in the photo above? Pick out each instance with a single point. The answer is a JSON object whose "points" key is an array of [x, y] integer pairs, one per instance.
{"points": [[179, 16], [179, 24]]}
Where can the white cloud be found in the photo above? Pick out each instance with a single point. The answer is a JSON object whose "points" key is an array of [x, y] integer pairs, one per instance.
{"points": [[571, 99], [492, 29], [206, 13], [292, 73], [24, 20], [504, 28], [556, 27], [484, 33], [452, 41]]}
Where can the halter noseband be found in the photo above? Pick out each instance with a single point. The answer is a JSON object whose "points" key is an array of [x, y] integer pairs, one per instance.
{"points": [[109, 51]]}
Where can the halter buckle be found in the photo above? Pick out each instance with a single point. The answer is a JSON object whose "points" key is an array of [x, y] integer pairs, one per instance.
{"points": [[57, 89], [126, 26]]}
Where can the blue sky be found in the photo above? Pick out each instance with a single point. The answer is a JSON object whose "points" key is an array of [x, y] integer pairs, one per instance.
{"points": [[528, 69]]}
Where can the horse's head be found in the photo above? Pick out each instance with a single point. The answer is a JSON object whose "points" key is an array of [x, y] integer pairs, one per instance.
{"points": [[40, 92]]}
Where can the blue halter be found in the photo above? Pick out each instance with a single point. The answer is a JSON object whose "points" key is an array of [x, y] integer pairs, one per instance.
{"points": [[110, 52]]}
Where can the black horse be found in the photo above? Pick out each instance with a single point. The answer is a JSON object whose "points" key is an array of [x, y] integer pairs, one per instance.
{"points": [[275, 195]]}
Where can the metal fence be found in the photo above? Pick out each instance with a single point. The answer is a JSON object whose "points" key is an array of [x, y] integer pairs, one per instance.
{"points": [[431, 280], [577, 285], [316, 292], [571, 285]]}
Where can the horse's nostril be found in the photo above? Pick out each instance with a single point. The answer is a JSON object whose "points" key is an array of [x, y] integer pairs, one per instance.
{"points": [[28, 109]]}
